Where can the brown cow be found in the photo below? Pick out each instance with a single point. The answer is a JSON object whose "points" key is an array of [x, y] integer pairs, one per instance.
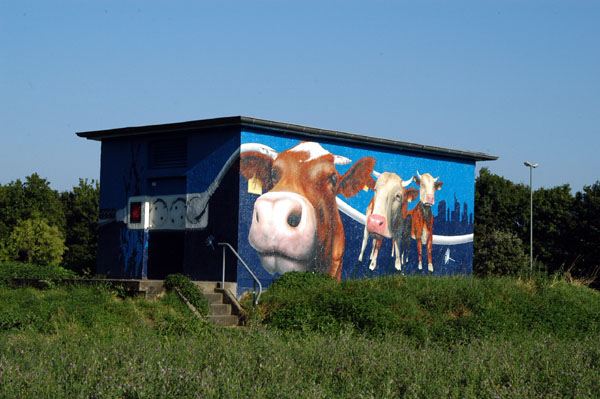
{"points": [[296, 225], [387, 218], [422, 217]]}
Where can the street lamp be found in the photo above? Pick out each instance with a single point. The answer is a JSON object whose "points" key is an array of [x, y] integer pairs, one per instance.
{"points": [[531, 166]]}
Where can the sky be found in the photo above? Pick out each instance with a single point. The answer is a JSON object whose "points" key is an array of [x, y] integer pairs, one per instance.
{"points": [[515, 79]]}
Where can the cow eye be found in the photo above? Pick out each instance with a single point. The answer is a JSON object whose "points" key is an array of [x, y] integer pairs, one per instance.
{"points": [[334, 180], [399, 197], [274, 175]]}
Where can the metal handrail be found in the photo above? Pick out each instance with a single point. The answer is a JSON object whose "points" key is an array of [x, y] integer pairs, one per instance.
{"points": [[224, 244]]}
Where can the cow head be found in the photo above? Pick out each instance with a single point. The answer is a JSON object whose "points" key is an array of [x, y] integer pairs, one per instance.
{"points": [[390, 197], [296, 224], [428, 186]]}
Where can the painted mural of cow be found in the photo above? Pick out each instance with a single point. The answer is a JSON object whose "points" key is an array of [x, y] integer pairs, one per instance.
{"points": [[296, 225], [387, 217], [422, 217]]}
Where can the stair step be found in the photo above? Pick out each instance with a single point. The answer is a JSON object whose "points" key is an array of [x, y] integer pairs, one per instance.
{"points": [[224, 320], [220, 309], [213, 297], [209, 286]]}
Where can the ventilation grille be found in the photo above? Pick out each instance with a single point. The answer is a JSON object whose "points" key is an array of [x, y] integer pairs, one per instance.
{"points": [[168, 154]]}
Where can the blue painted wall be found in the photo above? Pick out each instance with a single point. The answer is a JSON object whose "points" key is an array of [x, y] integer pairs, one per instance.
{"points": [[453, 210], [129, 253], [125, 172], [121, 252]]}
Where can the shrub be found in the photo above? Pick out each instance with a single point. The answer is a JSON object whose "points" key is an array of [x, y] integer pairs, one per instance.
{"points": [[35, 241], [499, 253], [447, 309], [301, 280]]}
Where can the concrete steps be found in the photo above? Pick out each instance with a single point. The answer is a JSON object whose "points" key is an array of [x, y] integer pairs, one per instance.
{"points": [[223, 306]]}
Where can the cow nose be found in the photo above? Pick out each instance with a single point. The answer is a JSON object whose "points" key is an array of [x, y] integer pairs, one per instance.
{"points": [[377, 224], [294, 218], [287, 210]]}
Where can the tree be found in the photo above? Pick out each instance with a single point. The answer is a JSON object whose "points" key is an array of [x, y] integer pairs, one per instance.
{"points": [[500, 205], [586, 230], [553, 225], [35, 241], [81, 207], [33, 199]]}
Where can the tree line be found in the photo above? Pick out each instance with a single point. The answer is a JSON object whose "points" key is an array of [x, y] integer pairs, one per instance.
{"points": [[41, 225], [566, 228]]}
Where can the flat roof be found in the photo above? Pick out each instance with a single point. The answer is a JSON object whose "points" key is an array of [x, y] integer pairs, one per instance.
{"points": [[280, 127]]}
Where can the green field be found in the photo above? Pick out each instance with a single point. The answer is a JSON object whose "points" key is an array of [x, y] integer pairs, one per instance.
{"points": [[394, 337]]}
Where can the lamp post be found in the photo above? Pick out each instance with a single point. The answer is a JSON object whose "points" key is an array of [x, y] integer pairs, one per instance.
{"points": [[531, 166]]}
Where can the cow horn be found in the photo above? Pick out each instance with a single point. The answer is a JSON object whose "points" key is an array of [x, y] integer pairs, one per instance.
{"points": [[261, 148], [340, 160], [436, 179], [418, 174], [406, 183]]}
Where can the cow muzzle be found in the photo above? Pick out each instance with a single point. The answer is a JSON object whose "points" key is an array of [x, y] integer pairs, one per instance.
{"points": [[284, 231], [377, 225]]}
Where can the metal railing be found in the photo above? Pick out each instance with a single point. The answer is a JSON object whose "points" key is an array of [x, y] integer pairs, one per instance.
{"points": [[227, 245]]}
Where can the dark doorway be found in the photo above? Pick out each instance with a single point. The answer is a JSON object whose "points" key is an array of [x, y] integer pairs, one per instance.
{"points": [[166, 251]]}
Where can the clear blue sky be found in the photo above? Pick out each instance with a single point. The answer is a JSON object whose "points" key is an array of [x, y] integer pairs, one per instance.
{"points": [[517, 79]]}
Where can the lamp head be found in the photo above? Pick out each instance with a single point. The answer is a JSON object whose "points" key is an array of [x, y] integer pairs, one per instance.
{"points": [[534, 165]]}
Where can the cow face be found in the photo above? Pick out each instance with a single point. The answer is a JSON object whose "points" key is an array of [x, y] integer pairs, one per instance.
{"points": [[296, 225], [428, 187], [390, 194]]}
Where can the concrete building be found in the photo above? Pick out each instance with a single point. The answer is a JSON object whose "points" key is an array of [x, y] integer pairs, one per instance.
{"points": [[285, 197]]}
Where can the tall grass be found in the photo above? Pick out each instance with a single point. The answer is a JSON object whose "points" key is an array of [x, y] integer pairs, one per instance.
{"points": [[88, 342], [258, 363]]}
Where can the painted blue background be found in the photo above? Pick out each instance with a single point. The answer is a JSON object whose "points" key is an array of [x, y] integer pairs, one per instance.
{"points": [[125, 172], [458, 192]]}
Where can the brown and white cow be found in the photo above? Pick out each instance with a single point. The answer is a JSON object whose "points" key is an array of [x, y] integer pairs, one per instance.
{"points": [[387, 217], [296, 225], [422, 217]]}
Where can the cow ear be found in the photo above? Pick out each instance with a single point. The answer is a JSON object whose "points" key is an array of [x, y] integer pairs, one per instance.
{"points": [[358, 176], [438, 185], [417, 180], [258, 166], [412, 194]]}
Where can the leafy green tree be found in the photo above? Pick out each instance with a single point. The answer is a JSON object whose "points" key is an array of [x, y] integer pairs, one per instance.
{"points": [[586, 230], [35, 241], [32, 199], [81, 207], [501, 213], [500, 205], [553, 225]]}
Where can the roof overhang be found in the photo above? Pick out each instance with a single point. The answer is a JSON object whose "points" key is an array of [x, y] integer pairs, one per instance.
{"points": [[279, 127]]}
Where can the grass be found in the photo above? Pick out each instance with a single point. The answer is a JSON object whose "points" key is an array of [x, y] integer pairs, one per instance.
{"points": [[434, 309], [9, 270], [88, 342], [271, 363]]}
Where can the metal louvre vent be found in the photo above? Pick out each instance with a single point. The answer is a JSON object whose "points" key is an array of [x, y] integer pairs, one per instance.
{"points": [[168, 154]]}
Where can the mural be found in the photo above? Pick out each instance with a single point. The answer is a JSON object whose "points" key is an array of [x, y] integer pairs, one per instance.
{"points": [[387, 217], [350, 211], [296, 225]]}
